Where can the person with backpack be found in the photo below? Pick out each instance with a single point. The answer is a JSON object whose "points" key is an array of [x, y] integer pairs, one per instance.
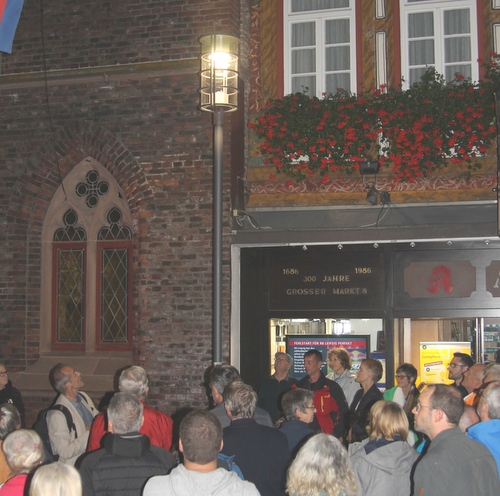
{"points": [[69, 442]]}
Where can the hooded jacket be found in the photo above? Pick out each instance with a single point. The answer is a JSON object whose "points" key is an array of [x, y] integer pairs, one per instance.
{"points": [[183, 482], [383, 470]]}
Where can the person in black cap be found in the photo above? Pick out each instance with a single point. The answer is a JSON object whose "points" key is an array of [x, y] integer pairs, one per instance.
{"points": [[273, 388]]}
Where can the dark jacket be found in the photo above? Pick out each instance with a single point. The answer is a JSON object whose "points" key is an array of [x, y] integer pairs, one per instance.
{"points": [[364, 401], [261, 453], [123, 465], [336, 393], [9, 394], [270, 393], [297, 433]]}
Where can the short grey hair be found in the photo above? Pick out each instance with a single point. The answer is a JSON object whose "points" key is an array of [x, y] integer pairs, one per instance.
{"points": [[134, 381], [491, 396], [222, 375], [23, 450], [10, 420], [240, 399], [125, 412], [296, 399], [494, 370], [60, 379]]}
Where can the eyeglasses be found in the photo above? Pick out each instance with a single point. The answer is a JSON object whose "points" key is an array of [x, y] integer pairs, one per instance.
{"points": [[313, 407], [399, 377], [4, 374], [455, 365], [418, 406]]}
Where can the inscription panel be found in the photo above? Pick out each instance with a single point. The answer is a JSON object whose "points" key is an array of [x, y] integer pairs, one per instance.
{"points": [[334, 281]]}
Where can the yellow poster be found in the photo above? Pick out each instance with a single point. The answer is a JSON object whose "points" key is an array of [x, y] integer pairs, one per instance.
{"points": [[435, 358]]}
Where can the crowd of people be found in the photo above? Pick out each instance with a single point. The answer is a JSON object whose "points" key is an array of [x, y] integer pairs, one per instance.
{"points": [[323, 435]]}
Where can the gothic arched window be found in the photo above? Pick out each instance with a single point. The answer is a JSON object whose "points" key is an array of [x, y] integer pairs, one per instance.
{"points": [[88, 264]]}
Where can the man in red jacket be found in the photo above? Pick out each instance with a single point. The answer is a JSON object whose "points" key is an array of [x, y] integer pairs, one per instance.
{"points": [[157, 425]]}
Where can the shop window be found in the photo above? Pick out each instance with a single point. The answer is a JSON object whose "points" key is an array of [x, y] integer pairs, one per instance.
{"points": [[440, 34], [89, 269], [319, 46]]}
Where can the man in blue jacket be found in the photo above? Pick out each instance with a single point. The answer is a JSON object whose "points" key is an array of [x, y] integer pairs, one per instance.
{"points": [[488, 430]]}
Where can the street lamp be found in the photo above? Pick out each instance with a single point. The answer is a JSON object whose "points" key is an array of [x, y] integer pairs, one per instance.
{"points": [[219, 94]]}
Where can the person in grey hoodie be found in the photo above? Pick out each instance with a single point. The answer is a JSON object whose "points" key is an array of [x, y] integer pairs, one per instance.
{"points": [[382, 463], [200, 440]]}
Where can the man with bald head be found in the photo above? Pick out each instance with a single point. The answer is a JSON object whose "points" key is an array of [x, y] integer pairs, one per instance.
{"points": [[473, 378]]}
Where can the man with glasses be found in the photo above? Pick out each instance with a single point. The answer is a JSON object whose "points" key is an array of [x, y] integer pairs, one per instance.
{"points": [[9, 394], [453, 464], [460, 364]]}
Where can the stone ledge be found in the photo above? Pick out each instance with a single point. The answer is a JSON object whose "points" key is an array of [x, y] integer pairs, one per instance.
{"points": [[98, 369]]}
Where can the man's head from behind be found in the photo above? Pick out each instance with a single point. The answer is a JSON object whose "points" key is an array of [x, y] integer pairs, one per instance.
{"points": [[492, 373], [489, 404], [134, 381], [240, 400], [124, 414], [200, 437], [10, 420], [220, 377]]}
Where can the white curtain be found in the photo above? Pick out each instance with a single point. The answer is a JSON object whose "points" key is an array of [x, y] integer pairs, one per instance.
{"points": [[455, 28]]}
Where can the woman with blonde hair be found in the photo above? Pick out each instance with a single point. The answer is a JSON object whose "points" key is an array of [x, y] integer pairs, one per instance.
{"points": [[383, 463], [56, 479], [321, 468], [23, 451]]}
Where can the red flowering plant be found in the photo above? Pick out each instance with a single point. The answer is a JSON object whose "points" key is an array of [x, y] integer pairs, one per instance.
{"points": [[415, 132]]}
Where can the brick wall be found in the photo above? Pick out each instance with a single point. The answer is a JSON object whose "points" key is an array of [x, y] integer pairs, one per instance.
{"points": [[146, 130]]}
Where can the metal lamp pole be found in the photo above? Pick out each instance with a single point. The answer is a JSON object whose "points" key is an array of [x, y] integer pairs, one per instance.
{"points": [[219, 94]]}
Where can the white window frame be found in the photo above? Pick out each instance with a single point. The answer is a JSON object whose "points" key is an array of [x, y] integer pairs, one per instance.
{"points": [[437, 7], [319, 17]]}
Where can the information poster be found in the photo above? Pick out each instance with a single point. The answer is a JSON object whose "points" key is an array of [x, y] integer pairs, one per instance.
{"points": [[358, 347], [435, 358]]}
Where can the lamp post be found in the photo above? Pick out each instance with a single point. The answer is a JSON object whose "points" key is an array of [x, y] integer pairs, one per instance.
{"points": [[219, 94]]}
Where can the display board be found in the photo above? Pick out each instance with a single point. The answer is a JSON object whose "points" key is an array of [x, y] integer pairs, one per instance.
{"points": [[435, 358], [358, 347]]}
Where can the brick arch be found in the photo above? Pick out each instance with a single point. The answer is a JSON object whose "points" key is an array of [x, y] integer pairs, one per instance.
{"points": [[28, 204]]}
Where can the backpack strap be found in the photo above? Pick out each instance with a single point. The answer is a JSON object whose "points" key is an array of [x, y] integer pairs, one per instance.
{"points": [[67, 415]]}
